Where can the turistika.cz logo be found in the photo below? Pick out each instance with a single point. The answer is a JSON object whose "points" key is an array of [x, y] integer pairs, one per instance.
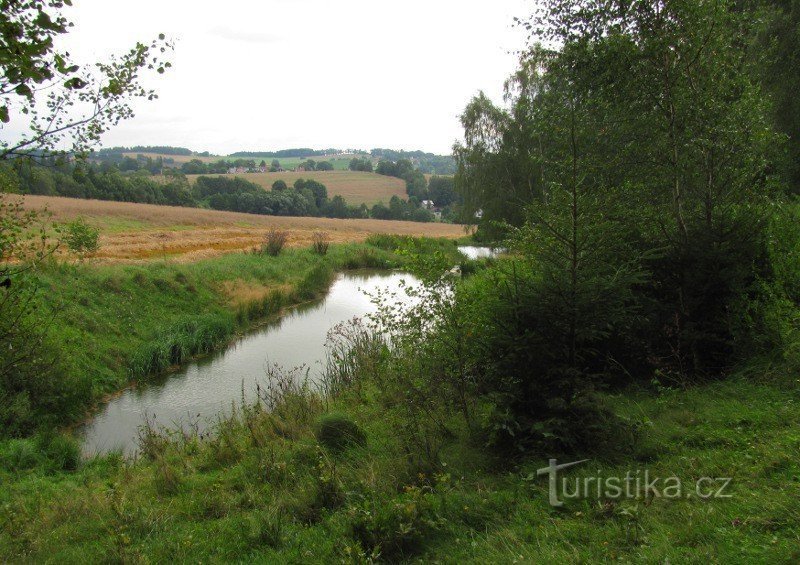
{"points": [[635, 484]]}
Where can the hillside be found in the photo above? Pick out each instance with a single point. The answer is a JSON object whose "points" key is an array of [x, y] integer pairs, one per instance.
{"points": [[354, 187], [134, 232]]}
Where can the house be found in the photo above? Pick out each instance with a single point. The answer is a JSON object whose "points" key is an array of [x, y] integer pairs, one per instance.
{"points": [[428, 204]]}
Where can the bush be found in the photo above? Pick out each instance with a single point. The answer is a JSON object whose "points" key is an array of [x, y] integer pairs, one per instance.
{"points": [[81, 238], [337, 432], [320, 242], [394, 529], [274, 241]]}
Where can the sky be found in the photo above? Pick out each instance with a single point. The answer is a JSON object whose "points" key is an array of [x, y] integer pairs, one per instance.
{"points": [[267, 75]]}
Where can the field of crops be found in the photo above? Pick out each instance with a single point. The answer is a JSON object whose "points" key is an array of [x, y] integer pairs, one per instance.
{"points": [[355, 187], [135, 232]]}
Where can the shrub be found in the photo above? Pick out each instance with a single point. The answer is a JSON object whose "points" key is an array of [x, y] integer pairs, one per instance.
{"points": [[337, 432], [394, 529], [320, 242], [80, 237], [274, 241]]}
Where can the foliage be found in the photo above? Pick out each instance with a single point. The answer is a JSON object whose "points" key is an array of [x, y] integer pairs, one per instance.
{"points": [[80, 105], [362, 164], [80, 237]]}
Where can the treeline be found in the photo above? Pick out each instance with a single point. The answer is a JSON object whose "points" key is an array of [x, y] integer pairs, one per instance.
{"points": [[303, 198], [640, 177], [198, 167], [161, 149], [426, 162], [302, 152]]}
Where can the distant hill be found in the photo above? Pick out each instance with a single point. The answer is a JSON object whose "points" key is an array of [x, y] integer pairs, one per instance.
{"points": [[428, 163]]}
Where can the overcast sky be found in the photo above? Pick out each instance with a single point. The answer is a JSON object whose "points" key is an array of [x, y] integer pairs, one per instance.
{"points": [[265, 75]]}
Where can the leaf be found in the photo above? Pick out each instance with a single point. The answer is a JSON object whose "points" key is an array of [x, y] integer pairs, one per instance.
{"points": [[4, 114], [23, 90], [75, 83]]}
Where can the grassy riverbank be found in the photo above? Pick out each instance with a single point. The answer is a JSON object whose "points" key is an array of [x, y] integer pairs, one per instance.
{"points": [[267, 490], [362, 474], [113, 324]]}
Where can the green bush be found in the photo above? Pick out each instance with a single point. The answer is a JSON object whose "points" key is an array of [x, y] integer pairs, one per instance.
{"points": [[394, 529], [80, 237], [337, 432]]}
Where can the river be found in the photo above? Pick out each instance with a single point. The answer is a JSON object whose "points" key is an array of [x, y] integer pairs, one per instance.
{"points": [[204, 388]]}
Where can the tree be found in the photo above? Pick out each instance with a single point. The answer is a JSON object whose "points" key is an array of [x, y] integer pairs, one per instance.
{"points": [[361, 164], [324, 166], [780, 73], [337, 208], [684, 127], [64, 105], [79, 105], [279, 185], [441, 190]]}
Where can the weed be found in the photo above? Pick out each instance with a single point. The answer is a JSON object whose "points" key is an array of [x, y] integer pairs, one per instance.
{"points": [[320, 241], [274, 241]]}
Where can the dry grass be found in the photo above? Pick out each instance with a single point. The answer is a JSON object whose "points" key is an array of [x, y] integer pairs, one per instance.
{"points": [[135, 232], [243, 293], [355, 187]]}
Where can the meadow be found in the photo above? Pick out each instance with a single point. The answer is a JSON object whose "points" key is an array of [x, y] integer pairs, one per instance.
{"points": [[136, 232], [355, 187]]}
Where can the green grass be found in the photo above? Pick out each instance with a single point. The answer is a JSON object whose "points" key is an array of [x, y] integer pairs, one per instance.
{"points": [[264, 490]]}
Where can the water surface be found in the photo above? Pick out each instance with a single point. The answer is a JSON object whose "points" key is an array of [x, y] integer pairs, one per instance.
{"points": [[202, 389], [477, 252]]}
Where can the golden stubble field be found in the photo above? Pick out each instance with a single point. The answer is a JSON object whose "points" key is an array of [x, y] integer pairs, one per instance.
{"points": [[354, 187], [140, 232]]}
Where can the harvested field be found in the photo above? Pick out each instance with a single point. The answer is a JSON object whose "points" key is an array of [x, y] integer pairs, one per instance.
{"points": [[355, 187], [137, 232]]}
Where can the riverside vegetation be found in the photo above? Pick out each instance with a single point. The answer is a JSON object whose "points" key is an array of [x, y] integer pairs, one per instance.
{"points": [[645, 317]]}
